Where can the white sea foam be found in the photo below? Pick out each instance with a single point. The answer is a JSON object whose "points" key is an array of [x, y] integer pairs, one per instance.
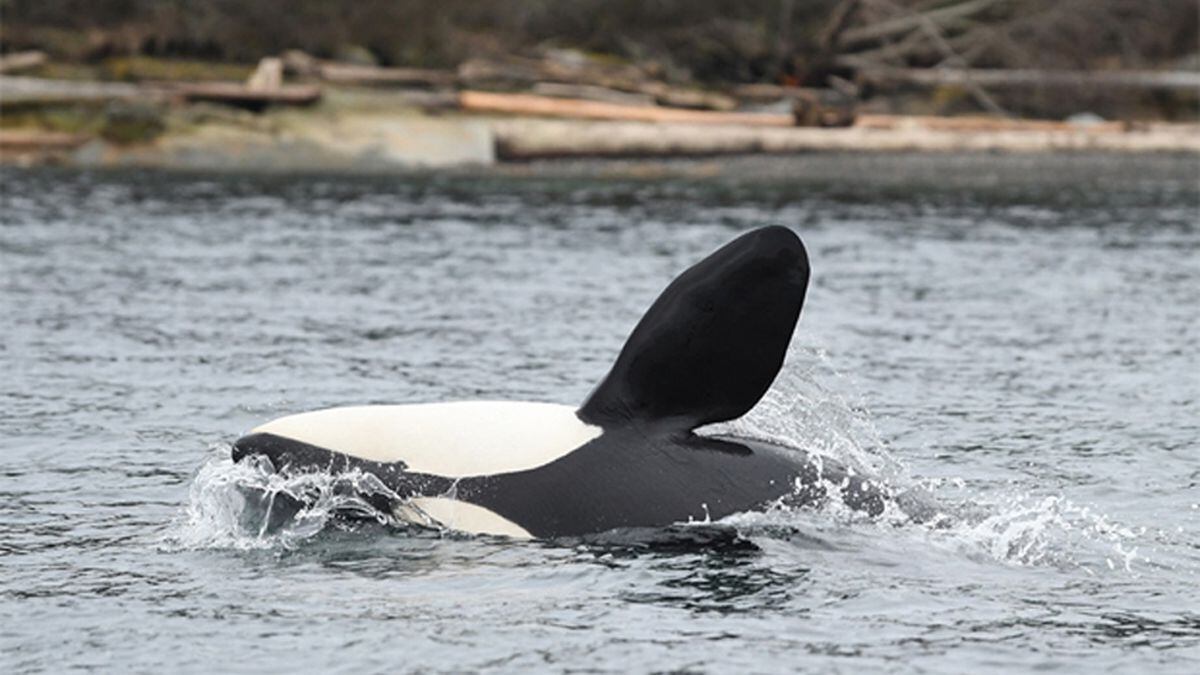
{"points": [[1047, 530], [813, 407], [237, 505]]}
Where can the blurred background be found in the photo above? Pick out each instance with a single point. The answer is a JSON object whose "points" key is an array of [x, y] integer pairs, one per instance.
{"points": [[468, 82], [874, 44]]}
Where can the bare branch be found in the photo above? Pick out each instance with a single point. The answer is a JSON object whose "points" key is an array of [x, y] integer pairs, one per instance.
{"points": [[914, 20]]}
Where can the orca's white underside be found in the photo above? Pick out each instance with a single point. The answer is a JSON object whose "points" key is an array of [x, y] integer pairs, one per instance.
{"points": [[455, 439]]}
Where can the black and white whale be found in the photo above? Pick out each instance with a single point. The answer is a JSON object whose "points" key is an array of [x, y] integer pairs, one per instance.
{"points": [[706, 351]]}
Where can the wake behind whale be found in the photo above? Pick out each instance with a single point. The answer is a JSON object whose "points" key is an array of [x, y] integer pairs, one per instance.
{"points": [[705, 352]]}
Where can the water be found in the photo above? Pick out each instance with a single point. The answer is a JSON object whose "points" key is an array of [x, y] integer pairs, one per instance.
{"points": [[1015, 335]]}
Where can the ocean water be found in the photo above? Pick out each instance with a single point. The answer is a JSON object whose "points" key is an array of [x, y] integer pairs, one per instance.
{"points": [[1016, 336]]}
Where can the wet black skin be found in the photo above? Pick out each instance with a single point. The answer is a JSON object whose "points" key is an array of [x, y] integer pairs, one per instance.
{"points": [[625, 478], [706, 351]]}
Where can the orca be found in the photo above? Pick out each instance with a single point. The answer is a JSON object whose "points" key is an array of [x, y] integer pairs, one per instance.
{"points": [[706, 351]]}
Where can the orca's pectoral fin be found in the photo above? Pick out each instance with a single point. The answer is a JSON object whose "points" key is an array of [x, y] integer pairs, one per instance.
{"points": [[710, 346]]}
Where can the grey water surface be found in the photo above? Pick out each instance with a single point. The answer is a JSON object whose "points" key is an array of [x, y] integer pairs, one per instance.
{"points": [[1017, 336]]}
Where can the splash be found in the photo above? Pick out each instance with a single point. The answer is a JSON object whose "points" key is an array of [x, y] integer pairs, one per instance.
{"points": [[813, 407], [1036, 530], [249, 506]]}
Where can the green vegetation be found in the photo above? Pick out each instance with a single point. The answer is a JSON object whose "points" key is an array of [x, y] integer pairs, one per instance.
{"points": [[122, 122], [140, 68]]}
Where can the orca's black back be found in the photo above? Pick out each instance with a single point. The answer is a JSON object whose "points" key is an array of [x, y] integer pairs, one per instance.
{"points": [[626, 479]]}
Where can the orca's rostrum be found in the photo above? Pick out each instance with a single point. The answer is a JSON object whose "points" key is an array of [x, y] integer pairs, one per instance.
{"points": [[706, 351]]}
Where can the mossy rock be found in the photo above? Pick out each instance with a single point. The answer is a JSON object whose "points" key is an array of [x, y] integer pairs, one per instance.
{"points": [[355, 54], [66, 118], [128, 122]]}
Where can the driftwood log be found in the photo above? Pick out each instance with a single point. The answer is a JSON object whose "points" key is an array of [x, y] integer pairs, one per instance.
{"points": [[344, 73], [264, 88], [300, 63], [34, 141], [590, 92], [39, 91], [11, 63], [544, 106], [1162, 80], [982, 124], [526, 138], [241, 96]]}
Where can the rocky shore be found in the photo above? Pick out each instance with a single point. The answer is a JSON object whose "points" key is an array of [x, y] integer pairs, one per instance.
{"points": [[353, 134], [378, 120]]}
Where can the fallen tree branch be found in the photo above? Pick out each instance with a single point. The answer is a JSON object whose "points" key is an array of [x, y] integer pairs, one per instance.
{"points": [[985, 100], [831, 35], [885, 29], [888, 54]]}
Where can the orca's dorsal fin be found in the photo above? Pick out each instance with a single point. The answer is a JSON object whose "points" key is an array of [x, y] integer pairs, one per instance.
{"points": [[710, 346]]}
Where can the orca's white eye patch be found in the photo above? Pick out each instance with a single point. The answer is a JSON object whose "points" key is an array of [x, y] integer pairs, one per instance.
{"points": [[456, 439]]}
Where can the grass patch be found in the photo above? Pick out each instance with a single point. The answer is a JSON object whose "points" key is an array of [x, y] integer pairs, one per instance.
{"points": [[138, 68], [122, 122]]}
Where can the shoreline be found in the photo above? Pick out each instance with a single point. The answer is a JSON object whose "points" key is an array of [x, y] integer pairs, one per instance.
{"points": [[373, 143], [372, 131]]}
